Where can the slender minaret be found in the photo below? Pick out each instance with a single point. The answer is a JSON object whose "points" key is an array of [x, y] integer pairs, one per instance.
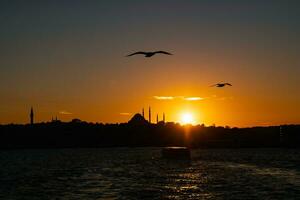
{"points": [[31, 115], [157, 118], [164, 118], [149, 114], [143, 113]]}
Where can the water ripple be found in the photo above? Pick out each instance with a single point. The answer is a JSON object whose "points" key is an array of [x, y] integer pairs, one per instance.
{"points": [[140, 173]]}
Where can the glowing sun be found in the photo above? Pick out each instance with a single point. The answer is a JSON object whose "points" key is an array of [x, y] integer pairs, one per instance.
{"points": [[187, 118]]}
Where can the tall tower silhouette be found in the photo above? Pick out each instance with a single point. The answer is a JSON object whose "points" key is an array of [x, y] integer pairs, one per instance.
{"points": [[149, 114], [143, 113], [157, 118], [31, 115], [164, 118]]}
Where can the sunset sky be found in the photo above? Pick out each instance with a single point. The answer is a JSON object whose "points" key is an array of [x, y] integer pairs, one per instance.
{"points": [[67, 59]]}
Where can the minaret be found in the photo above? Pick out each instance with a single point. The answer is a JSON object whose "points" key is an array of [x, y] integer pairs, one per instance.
{"points": [[143, 113], [149, 114], [31, 116], [164, 118], [157, 118]]}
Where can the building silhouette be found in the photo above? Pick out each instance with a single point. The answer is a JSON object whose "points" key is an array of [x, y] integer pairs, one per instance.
{"points": [[31, 116], [138, 119], [56, 120], [149, 114]]}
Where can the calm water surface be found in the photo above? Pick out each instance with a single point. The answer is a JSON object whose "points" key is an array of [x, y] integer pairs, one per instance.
{"points": [[140, 173]]}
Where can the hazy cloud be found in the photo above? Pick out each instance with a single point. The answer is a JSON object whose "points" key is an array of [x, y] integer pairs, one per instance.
{"points": [[65, 112], [125, 113], [163, 97], [225, 98], [194, 98]]}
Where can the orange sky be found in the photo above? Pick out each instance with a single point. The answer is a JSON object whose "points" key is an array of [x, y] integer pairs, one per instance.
{"points": [[70, 62]]}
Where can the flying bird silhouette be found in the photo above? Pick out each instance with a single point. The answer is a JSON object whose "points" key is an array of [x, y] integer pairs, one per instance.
{"points": [[221, 85], [149, 54]]}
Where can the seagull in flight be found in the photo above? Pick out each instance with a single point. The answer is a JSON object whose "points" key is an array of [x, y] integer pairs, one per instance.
{"points": [[221, 85], [149, 54]]}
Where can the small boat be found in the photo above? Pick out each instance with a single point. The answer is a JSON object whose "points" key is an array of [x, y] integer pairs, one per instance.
{"points": [[176, 153]]}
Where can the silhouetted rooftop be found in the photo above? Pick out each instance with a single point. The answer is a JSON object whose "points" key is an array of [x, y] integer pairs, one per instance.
{"points": [[138, 119]]}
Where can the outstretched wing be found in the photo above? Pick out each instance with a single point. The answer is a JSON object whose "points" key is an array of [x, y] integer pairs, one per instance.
{"points": [[228, 84], [139, 52], [164, 52], [213, 85]]}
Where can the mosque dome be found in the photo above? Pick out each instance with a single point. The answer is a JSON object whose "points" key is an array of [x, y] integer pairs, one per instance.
{"points": [[138, 119]]}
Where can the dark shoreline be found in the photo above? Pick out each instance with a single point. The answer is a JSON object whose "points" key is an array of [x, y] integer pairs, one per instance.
{"points": [[88, 135]]}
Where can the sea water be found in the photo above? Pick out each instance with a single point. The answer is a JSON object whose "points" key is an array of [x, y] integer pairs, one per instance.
{"points": [[141, 173]]}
